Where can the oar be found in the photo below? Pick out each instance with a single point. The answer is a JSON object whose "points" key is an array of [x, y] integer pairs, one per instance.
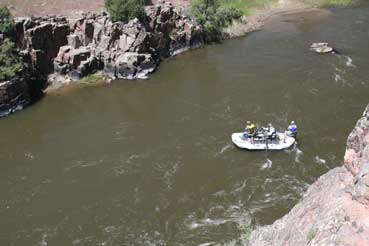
{"points": [[266, 143]]}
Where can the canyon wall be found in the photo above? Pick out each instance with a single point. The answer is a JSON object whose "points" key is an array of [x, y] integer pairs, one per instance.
{"points": [[72, 47], [335, 209]]}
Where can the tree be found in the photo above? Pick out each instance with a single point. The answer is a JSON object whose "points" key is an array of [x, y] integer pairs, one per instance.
{"points": [[124, 10], [213, 15], [6, 21], [10, 63]]}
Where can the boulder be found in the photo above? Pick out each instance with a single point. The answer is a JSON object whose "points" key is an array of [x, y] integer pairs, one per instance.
{"points": [[179, 43], [74, 41], [135, 37], [86, 67], [78, 55], [63, 54], [126, 42], [321, 48], [14, 95], [131, 65], [105, 43]]}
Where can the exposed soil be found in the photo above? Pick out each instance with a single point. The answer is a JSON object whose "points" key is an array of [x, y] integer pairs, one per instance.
{"points": [[22, 8]]}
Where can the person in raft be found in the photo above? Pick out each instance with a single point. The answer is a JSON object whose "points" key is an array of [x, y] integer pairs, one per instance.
{"points": [[292, 129], [271, 132], [249, 130]]}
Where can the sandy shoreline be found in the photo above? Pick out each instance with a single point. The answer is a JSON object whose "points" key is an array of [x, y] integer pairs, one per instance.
{"points": [[269, 14]]}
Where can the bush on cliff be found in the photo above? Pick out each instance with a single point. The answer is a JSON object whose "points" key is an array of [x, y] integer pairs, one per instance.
{"points": [[214, 16], [124, 10], [10, 63], [6, 21]]}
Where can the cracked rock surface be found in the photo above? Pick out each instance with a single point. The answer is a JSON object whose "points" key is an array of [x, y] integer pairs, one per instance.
{"points": [[335, 209]]}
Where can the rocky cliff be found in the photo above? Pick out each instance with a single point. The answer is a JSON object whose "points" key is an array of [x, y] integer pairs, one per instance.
{"points": [[14, 95], [81, 45], [335, 209], [74, 47]]}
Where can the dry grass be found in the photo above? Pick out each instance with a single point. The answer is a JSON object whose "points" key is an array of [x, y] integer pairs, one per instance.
{"points": [[51, 7]]}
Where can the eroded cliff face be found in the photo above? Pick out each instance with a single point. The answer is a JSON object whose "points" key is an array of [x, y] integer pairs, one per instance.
{"points": [[335, 209], [80, 45], [14, 95], [74, 47]]}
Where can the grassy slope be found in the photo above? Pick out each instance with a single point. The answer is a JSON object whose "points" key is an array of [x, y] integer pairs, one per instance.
{"points": [[249, 6], [246, 6], [54, 7]]}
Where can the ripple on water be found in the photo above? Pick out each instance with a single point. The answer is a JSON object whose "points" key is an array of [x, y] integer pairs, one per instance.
{"points": [[298, 155], [166, 172], [267, 164], [224, 148]]}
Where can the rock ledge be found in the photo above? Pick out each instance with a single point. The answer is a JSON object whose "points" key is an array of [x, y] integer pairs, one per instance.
{"points": [[335, 209]]}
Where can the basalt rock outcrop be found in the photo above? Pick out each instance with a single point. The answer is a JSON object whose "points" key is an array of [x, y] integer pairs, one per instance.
{"points": [[74, 47], [335, 209], [14, 95], [40, 39], [90, 42], [20, 91]]}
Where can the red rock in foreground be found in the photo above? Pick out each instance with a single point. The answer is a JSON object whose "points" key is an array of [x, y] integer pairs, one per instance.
{"points": [[335, 209]]}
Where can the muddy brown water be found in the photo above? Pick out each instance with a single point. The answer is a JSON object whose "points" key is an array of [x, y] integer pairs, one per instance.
{"points": [[151, 162]]}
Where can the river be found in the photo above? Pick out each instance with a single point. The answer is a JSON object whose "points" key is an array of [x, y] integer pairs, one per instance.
{"points": [[151, 162]]}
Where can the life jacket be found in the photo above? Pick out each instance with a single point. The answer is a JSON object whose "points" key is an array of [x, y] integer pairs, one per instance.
{"points": [[292, 128], [250, 129]]}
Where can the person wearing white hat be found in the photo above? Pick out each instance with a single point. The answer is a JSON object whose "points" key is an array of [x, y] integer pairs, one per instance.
{"points": [[292, 129]]}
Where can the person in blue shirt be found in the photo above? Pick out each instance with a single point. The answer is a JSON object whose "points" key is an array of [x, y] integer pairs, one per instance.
{"points": [[292, 129]]}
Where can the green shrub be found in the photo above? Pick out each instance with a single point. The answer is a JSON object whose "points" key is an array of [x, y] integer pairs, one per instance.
{"points": [[124, 10], [10, 63], [6, 21], [213, 16], [203, 10], [225, 15]]}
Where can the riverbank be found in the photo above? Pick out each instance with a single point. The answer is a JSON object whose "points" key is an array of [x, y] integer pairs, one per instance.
{"points": [[335, 209], [112, 163], [264, 15], [68, 48]]}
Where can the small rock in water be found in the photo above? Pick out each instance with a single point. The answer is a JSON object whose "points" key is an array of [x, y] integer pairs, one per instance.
{"points": [[321, 48]]}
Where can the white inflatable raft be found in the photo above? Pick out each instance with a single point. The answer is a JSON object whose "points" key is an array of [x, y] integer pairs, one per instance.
{"points": [[284, 142]]}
